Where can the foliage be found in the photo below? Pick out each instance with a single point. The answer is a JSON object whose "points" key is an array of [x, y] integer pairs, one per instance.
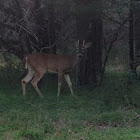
{"points": [[108, 112], [10, 67]]}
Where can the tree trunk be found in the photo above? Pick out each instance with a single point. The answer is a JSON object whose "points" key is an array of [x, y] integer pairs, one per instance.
{"points": [[137, 28], [24, 45], [89, 27], [51, 28], [131, 35], [46, 27]]}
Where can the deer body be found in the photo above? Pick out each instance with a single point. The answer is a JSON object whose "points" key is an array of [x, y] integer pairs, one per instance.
{"points": [[52, 62], [38, 63]]}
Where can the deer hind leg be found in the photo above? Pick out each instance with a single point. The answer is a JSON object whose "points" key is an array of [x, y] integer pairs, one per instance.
{"points": [[67, 77], [35, 81], [24, 81], [60, 76]]}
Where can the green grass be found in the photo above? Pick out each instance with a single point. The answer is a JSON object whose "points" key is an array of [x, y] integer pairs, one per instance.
{"points": [[103, 113]]}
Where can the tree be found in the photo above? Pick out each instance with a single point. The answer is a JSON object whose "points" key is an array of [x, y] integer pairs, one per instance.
{"points": [[45, 26], [134, 33], [27, 28], [89, 27], [131, 34], [136, 5]]}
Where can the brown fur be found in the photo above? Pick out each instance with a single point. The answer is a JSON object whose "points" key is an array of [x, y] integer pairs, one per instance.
{"points": [[38, 63]]}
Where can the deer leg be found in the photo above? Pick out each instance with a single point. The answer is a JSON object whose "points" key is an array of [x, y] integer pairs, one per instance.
{"points": [[60, 75], [24, 81], [67, 77], [35, 82]]}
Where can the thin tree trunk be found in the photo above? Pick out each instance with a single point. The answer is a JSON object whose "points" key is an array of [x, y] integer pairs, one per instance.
{"points": [[131, 35], [51, 28], [25, 46], [136, 14]]}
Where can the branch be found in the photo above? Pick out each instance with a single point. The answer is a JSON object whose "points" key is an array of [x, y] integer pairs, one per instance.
{"points": [[27, 30], [114, 38], [19, 12], [47, 47], [7, 26], [136, 117], [7, 10], [107, 17]]}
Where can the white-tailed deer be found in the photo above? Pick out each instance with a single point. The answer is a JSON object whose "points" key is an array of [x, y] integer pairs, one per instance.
{"points": [[38, 63]]}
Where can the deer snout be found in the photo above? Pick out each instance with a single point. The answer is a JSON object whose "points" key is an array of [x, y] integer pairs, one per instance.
{"points": [[80, 55]]}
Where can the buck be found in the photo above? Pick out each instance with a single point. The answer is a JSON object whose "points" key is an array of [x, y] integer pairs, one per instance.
{"points": [[38, 63]]}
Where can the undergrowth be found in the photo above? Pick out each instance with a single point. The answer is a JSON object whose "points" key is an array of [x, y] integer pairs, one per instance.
{"points": [[109, 112]]}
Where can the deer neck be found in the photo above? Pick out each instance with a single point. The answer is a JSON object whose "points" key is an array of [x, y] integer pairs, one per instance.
{"points": [[76, 61]]}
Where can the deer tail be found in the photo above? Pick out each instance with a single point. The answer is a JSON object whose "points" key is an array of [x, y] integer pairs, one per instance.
{"points": [[25, 62]]}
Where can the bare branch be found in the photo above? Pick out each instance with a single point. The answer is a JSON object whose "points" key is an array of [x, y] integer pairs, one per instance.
{"points": [[136, 117], [27, 30], [7, 10], [114, 38], [47, 47], [107, 17], [7, 26]]}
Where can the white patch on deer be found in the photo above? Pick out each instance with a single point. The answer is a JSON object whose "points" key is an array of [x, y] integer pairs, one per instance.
{"points": [[51, 71], [26, 63]]}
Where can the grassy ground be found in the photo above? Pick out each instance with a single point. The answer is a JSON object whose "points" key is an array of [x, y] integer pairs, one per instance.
{"points": [[109, 112]]}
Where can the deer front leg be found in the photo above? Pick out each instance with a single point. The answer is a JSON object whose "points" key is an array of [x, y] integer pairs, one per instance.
{"points": [[24, 81], [60, 76], [67, 77], [35, 81]]}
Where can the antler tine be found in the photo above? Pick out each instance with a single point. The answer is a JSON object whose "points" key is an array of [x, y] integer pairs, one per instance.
{"points": [[78, 42], [83, 42]]}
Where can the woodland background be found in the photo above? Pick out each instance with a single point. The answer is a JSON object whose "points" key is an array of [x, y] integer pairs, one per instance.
{"points": [[106, 81]]}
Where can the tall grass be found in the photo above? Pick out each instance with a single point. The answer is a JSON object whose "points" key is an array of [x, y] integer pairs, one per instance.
{"points": [[103, 113]]}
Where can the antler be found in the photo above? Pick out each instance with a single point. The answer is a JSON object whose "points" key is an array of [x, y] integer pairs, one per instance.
{"points": [[78, 42], [83, 42]]}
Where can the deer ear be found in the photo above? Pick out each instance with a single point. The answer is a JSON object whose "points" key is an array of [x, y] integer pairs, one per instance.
{"points": [[87, 45], [77, 43]]}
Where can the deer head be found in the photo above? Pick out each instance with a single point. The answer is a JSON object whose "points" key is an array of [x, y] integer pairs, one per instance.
{"points": [[81, 46]]}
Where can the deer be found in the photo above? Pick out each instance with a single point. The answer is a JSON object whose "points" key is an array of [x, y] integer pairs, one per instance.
{"points": [[61, 64]]}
